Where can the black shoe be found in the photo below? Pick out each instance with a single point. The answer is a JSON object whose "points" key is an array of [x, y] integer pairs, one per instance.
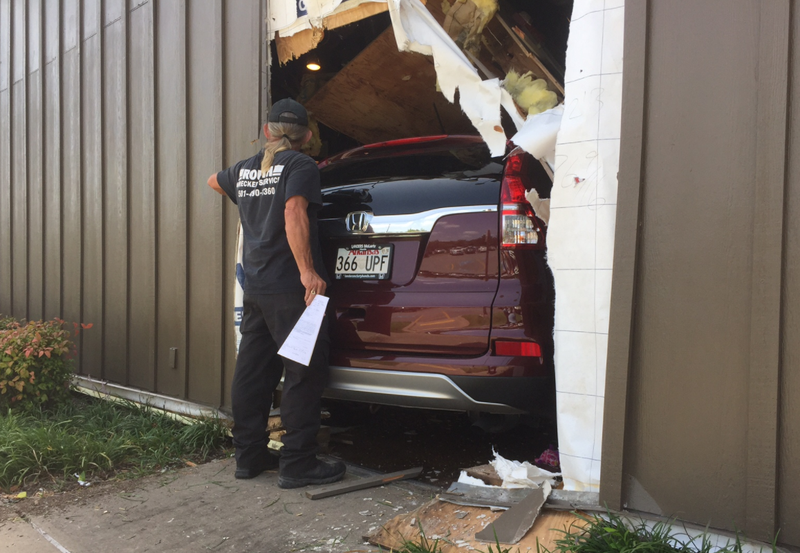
{"points": [[324, 473], [266, 462]]}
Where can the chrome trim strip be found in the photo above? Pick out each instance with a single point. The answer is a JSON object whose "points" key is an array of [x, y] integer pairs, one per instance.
{"points": [[406, 389], [417, 223]]}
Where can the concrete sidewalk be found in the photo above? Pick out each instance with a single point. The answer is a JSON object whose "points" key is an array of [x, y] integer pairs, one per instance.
{"points": [[205, 509]]}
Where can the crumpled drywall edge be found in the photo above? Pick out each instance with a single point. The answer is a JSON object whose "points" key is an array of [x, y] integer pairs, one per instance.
{"points": [[416, 30]]}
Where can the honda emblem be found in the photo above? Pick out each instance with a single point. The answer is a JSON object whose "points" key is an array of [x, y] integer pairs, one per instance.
{"points": [[358, 221]]}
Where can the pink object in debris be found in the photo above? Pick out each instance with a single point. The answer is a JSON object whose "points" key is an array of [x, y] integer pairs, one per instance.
{"points": [[548, 459]]}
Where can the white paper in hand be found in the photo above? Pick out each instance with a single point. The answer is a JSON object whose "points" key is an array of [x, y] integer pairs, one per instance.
{"points": [[299, 345]]}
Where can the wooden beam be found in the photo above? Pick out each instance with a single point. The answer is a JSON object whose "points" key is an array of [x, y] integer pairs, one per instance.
{"points": [[364, 483]]}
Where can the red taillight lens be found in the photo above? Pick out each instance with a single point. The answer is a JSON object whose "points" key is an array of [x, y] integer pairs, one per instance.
{"points": [[517, 349], [520, 228]]}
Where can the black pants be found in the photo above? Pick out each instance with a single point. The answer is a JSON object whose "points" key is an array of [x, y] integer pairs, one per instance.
{"points": [[266, 322]]}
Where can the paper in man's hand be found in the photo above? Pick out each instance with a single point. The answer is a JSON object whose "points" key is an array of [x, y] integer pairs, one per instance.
{"points": [[299, 345]]}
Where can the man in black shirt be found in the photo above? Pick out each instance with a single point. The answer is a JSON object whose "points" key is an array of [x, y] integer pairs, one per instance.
{"points": [[278, 195]]}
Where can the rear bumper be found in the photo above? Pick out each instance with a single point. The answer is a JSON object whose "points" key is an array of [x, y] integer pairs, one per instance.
{"points": [[505, 395]]}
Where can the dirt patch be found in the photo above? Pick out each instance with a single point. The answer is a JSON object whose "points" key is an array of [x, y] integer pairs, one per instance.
{"points": [[50, 497]]}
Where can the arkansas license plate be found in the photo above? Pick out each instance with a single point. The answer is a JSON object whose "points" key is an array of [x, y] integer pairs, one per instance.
{"points": [[364, 261]]}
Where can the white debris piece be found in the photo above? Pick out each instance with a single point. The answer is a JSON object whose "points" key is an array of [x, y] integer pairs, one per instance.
{"points": [[517, 474], [465, 478], [538, 135]]}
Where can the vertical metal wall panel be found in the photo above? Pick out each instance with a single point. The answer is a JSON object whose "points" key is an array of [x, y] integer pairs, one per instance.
{"points": [[691, 340], [35, 127], [113, 10], [35, 197], [110, 128], [71, 24], [52, 161], [242, 121], [72, 205], [142, 317], [33, 40], [115, 210], [19, 162], [789, 401], [205, 248], [91, 17], [5, 44], [766, 270], [17, 40], [5, 157], [171, 141], [92, 181]]}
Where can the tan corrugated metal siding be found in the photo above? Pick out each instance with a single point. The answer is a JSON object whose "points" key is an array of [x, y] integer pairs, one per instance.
{"points": [[702, 411], [113, 113]]}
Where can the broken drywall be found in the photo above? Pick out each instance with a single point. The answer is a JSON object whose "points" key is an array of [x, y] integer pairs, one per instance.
{"points": [[538, 134], [581, 232], [416, 30]]}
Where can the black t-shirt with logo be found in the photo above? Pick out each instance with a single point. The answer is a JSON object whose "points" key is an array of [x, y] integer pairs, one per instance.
{"points": [[269, 266]]}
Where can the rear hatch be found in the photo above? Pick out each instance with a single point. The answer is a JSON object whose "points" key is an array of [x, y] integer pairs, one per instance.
{"points": [[409, 233]]}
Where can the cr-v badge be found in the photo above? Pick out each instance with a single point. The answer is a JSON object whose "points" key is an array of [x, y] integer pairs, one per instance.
{"points": [[358, 221]]}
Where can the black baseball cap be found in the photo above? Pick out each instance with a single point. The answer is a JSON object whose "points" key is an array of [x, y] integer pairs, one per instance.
{"points": [[288, 111]]}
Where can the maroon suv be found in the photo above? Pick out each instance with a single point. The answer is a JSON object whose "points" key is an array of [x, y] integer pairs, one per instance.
{"points": [[441, 292]]}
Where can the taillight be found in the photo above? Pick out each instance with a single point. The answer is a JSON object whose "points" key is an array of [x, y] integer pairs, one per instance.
{"points": [[520, 228], [517, 349]]}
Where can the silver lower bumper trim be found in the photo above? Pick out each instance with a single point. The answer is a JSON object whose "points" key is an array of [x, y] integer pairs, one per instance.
{"points": [[406, 389]]}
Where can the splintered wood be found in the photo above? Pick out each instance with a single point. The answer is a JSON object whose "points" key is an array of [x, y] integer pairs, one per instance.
{"points": [[455, 526]]}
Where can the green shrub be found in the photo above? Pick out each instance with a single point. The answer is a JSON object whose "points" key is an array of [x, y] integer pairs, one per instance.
{"points": [[35, 368]]}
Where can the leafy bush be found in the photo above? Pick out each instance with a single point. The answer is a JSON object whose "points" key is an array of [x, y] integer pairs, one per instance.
{"points": [[35, 367], [6, 322]]}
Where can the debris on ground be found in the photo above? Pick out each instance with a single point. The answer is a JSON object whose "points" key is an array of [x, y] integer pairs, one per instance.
{"points": [[457, 525], [364, 483], [511, 526]]}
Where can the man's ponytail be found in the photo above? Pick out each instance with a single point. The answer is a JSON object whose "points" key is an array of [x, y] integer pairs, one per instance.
{"points": [[284, 137]]}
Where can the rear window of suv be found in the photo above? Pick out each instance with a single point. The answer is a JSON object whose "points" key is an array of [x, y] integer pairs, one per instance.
{"points": [[420, 162]]}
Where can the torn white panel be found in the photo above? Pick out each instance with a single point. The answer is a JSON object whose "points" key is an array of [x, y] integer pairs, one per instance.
{"points": [[292, 16], [516, 474], [511, 108], [580, 239], [416, 30], [538, 135]]}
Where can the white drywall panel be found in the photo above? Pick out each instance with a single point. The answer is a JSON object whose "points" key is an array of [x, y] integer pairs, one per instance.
{"points": [[581, 232]]}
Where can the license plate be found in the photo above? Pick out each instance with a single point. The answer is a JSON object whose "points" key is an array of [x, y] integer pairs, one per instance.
{"points": [[367, 261]]}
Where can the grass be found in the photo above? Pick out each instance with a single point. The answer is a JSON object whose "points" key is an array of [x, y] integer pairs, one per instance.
{"points": [[98, 439], [421, 545], [611, 532]]}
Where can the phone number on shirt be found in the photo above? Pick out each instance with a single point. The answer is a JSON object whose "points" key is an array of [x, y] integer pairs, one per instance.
{"points": [[270, 191]]}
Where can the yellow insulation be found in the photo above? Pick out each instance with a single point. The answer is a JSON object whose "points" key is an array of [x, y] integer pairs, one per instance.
{"points": [[529, 93]]}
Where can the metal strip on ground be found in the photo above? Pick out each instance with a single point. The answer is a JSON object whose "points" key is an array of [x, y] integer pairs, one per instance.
{"points": [[48, 537]]}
